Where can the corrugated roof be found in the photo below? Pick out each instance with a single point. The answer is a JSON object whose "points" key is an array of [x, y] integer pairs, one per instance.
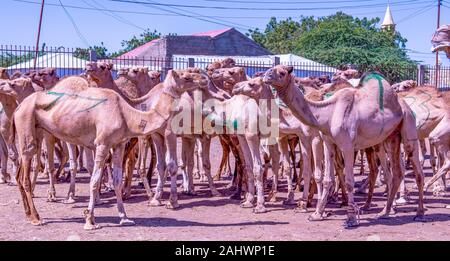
{"points": [[57, 60], [213, 33], [139, 50]]}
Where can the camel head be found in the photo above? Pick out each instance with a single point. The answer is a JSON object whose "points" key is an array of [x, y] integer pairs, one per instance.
{"points": [[155, 77], [179, 81], [99, 72], [16, 74], [225, 63], [441, 40], [404, 86], [46, 78], [252, 88], [4, 74], [226, 78], [346, 75], [279, 76], [17, 88]]}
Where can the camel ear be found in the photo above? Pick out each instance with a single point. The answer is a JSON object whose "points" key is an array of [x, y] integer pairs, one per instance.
{"points": [[145, 70], [290, 69], [110, 66], [173, 73]]}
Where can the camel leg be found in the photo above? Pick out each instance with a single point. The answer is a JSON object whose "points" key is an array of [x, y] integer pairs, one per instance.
{"points": [[117, 163], [201, 164], [248, 172], [283, 144], [352, 210], [36, 166], [402, 191], [317, 148], [361, 169], [5, 178], [254, 145], [89, 154], [225, 156], [275, 155], [80, 158], [373, 173], [205, 146], [433, 158], [50, 145], [327, 181], [172, 170], [73, 168], [187, 157], [24, 182], [160, 150], [393, 179], [422, 152], [101, 152], [146, 180], [306, 150]]}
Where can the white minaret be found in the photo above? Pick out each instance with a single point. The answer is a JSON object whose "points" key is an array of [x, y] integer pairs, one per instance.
{"points": [[388, 22]]}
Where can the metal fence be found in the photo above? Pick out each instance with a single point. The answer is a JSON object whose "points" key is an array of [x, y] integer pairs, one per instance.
{"points": [[72, 61]]}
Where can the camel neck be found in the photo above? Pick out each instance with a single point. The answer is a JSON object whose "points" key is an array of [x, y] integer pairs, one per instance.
{"points": [[297, 103], [9, 104], [110, 84]]}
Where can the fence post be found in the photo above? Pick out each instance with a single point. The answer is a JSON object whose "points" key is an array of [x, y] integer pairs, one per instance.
{"points": [[191, 62], [276, 60], [92, 56], [420, 74]]}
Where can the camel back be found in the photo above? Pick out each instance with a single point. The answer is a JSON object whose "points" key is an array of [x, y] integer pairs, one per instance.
{"points": [[379, 77]]}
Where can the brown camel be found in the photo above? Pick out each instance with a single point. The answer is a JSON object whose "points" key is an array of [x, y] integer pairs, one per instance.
{"points": [[77, 116], [354, 119]]}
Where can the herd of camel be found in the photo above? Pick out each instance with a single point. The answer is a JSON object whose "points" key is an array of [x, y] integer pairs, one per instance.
{"points": [[114, 123]]}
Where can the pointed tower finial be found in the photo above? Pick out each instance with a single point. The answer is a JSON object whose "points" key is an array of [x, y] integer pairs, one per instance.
{"points": [[388, 22]]}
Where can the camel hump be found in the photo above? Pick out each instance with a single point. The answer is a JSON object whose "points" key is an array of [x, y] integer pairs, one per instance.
{"points": [[370, 76]]}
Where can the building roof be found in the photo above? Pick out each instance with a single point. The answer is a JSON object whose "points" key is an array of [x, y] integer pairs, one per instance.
{"points": [[141, 50], [213, 33], [56, 60], [388, 20]]}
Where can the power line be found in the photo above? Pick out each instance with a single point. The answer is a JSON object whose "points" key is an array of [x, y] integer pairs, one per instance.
{"points": [[195, 14], [415, 14], [113, 15], [80, 35], [288, 3], [399, 3], [204, 16]]}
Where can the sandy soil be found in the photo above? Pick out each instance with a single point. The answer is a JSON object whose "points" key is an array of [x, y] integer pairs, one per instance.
{"points": [[203, 217]]}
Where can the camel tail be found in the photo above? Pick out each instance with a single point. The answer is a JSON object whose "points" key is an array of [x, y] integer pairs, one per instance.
{"points": [[12, 137]]}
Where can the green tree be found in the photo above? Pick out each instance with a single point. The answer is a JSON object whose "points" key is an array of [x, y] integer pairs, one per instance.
{"points": [[340, 39], [137, 41], [83, 53]]}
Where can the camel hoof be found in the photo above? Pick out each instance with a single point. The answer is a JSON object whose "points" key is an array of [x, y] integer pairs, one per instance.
{"points": [[36, 222], [366, 206], [172, 205], [215, 193], [190, 193], [315, 217], [155, 203], [383, 215], [12, 183], [109, 189], [420, 218], [246, 204], [51, 198], [126, 195], [89, 226], [236, 196], [69, 200], [301, 209], [44, 176], [259, 209], [401, 201], [351, 222], [127, 222], [289, 202]]}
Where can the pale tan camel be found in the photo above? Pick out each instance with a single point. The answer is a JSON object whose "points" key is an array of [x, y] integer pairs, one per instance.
{"points": [[4, 74], [441, 40], [77, 116], [354, 119]]}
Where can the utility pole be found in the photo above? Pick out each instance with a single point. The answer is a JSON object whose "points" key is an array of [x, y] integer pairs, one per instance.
{"points": [[437, 52], [38, 34]]}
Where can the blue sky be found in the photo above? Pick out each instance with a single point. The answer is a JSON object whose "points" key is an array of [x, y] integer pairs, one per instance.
{"points": [[416, 19]]}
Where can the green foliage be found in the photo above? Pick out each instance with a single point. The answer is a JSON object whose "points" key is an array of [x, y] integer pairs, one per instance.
{"points": [[338, 40], [83, 53], [135, 41]]}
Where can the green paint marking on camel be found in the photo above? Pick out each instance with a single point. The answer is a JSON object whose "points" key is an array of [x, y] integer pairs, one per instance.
{"points": [[328, 95], [379, 78], [61, 94]]}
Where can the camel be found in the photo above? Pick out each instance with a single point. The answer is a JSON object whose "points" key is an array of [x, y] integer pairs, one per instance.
{"points": [[441, 40], [77, 116], [354, 119], [4, 74]]}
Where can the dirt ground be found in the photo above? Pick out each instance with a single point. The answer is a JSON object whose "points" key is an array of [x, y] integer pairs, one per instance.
{"points": [[203, 217]]}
